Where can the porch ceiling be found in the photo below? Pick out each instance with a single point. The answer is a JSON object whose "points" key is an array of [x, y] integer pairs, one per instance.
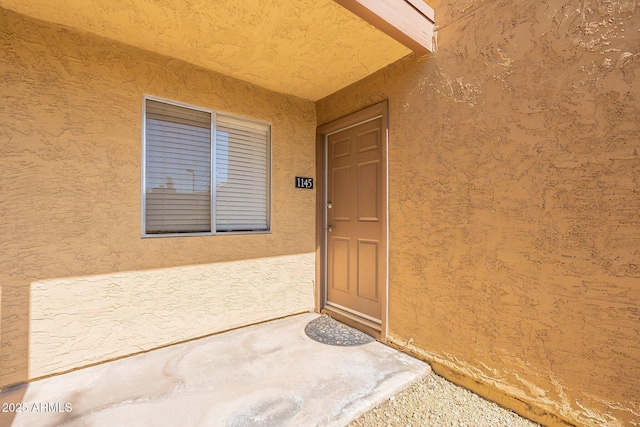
{"points": [[307, 48]]}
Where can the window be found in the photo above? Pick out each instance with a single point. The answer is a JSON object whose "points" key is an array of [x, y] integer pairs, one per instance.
{"points": [[204, 172]]}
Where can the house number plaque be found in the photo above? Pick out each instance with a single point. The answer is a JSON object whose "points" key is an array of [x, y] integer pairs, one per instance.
{"points": [[302, 182]]}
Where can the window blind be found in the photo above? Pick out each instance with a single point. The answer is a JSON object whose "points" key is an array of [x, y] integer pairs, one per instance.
{"points": [[242, 174], [178, 169]]}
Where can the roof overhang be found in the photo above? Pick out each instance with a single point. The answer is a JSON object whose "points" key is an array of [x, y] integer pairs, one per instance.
{"points": [[307, 48]]}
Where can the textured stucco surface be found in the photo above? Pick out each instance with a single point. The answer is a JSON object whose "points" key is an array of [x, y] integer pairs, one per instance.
{"points": [[308, 48], [78, 284], [514, 167]]}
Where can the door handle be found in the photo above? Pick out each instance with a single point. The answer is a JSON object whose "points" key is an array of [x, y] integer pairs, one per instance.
{"points": [[329, 229]]}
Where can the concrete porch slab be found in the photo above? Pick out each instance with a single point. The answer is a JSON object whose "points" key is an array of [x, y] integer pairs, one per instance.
{"points": [[269, 374]]}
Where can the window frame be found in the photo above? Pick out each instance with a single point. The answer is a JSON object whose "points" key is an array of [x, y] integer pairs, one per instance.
{"points": [[214, 114]]}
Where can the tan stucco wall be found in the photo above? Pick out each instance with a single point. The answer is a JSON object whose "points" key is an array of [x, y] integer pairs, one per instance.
{"points": [[78, 285], [514, 164]]}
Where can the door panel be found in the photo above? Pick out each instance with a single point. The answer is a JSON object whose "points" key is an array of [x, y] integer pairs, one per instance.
{"points": [[339, 264], [354, 216], [369, 140], [368, 203], [342, 193], [368, 269], [341, 147]]}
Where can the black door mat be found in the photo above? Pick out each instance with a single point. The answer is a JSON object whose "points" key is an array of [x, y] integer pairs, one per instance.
{"points": [[326, 330]]}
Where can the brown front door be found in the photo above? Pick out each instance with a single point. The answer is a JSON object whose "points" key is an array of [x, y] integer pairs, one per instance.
{"points": [[355, 218]]}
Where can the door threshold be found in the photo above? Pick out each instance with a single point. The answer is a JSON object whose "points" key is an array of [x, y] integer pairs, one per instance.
{"points": [[353, 320]]}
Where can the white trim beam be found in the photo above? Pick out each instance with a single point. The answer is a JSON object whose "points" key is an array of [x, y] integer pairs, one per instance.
{"points": [[410, 22]]}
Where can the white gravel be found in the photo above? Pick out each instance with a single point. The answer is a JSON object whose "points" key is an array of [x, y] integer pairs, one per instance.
{"points": [[436, 402]]}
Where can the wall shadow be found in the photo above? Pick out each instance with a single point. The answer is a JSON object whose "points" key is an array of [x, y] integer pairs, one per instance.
{"points": [[14, 346]]}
